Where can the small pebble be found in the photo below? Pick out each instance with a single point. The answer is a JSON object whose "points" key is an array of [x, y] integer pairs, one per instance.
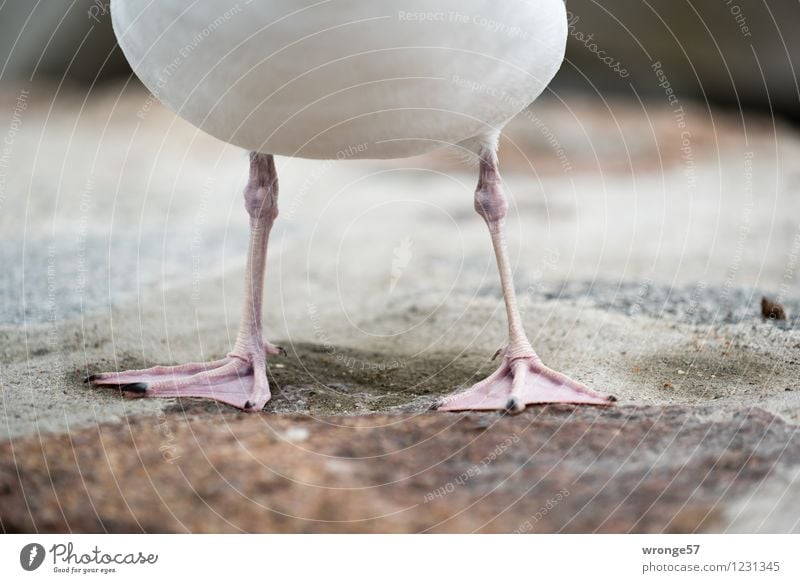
{"points": [[772, 310], [296, 434]]}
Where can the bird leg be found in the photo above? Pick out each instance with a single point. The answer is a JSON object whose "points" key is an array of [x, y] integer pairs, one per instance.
{"points": [[522, 379], [239, 379]]}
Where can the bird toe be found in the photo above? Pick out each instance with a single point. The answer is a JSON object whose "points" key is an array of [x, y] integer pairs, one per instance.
{"points": [[514, 406], [134, 388]]}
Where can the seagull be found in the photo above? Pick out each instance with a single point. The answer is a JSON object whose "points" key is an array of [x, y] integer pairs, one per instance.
{"points": [[367, 78]]}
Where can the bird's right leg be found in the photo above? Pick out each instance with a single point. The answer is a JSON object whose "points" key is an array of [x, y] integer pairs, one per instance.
{"points": [[239, 379], [522, 379]]}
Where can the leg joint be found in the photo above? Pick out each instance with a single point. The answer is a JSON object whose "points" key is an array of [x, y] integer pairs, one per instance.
{"points": [[261, 193], [490, 202]]}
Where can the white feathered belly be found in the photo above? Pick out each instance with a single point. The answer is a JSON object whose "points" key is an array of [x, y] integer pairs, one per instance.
{"points": [[344, 79]]}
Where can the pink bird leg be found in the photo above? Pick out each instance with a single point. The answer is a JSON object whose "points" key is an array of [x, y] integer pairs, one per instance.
{"points": [[522, 379], [239, 379]]}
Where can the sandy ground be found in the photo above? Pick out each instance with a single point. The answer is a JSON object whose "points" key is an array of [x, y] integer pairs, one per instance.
{"points": [[641, 250]]}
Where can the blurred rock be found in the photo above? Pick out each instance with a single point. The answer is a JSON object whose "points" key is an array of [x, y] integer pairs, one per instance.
{"points": [[741, 53], [69, 40], [552, 469]]}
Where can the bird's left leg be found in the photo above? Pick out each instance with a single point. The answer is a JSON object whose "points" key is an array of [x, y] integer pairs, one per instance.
{"points": [[239, 379], [522, 379]]}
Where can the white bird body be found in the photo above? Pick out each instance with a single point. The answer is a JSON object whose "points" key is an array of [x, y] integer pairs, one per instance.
{"points": [[348, 79], [344, 79]]}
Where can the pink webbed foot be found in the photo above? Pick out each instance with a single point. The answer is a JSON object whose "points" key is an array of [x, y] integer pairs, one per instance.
{"points": [[519, 382], [233, 380], [239, 379]]}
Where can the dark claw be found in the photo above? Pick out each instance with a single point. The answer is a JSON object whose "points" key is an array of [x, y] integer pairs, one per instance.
{"points": [[513, 407], [134, 387], [249, 405], [282, 350], [90, 378], [496, 354], [612, 399]]}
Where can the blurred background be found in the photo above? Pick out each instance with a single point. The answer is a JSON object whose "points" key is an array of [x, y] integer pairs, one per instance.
{"points": [[738, 53], [668, 117]]}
